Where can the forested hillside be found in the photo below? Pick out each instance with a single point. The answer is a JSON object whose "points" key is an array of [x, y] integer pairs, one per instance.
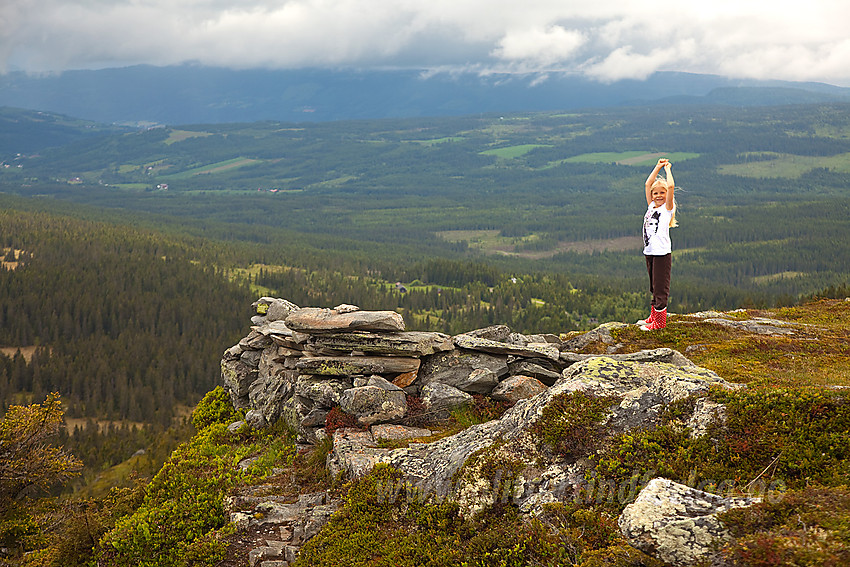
{"points": [[762, 192]]}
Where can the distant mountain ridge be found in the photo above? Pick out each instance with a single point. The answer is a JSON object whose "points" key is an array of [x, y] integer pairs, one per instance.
{"points": [[191, 94]]}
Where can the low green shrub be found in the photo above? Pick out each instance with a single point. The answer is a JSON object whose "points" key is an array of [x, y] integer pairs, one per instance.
{"points": [[180, 519], [807, 527], [215, 407], [771, 440]]}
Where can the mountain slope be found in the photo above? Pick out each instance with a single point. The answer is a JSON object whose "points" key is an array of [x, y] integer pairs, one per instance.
{"points": [[194, 94]]}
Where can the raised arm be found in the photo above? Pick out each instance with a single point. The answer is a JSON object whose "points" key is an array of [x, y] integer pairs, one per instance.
{"points": [[651, 179], [671, 186]]}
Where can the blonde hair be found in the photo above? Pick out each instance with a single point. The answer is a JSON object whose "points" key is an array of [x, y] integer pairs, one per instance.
{"points": [[661, 182]]}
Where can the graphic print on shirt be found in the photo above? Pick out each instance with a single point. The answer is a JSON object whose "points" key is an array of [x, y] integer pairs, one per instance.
{"points": [[650, 226]]}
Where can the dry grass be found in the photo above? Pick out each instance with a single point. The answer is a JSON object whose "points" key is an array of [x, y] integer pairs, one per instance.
{"points": [[816, 354]]}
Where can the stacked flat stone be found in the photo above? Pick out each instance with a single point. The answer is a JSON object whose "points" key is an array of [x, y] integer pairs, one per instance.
{"points": [[299, 363]]}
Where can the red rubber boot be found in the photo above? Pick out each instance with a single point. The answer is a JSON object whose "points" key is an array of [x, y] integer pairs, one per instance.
{"points": [[658, 322]]}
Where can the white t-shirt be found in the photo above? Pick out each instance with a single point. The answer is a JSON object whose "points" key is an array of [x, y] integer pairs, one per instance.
{"points": [[656, 231]]}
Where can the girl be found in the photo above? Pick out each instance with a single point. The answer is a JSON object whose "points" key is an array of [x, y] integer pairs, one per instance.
{"points": [[660, 217]]}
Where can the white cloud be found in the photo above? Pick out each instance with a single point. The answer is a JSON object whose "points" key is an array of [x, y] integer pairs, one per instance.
{"points": [[539, 47], [605, 39]]}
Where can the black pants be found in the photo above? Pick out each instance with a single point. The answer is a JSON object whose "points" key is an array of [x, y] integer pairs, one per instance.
{"points": [[659, 279]]}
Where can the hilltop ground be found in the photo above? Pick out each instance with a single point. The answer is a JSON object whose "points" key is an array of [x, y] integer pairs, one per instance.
{"points": [[815, 357]]}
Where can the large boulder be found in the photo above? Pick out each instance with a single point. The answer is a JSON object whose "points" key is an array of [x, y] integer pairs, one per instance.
{"points": [[676, 523]]}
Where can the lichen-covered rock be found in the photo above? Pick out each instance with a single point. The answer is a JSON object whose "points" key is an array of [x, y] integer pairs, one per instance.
{"points": [[646, 388], [705, 414], [268, 393], [602, 333], [354, 365], [323, 391], [354, 454], [643, 389], [676, 523], [268, 309], [395, 432], [237, 377]]}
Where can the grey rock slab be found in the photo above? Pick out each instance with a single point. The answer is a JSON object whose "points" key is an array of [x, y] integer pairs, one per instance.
{"points": [[255, 341], [268, 393], [500, 333], [441, 399], [409, 343], [395, 432], [325, 392], [758, 326], [355, 453], [317, 320], [237, 377], [527, 367], [546, 350], [601, 333]]}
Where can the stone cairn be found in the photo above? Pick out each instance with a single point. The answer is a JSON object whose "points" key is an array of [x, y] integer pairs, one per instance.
{"points": [[297, 364]]}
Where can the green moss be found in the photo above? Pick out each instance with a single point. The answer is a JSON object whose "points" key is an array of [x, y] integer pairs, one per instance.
{"points": [[573, 422], [497, 467]]}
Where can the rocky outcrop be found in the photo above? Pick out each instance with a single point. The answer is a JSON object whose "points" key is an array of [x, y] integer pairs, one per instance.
{"points": [[638, 391], [754, 325], [676, 523], [299, 364]]}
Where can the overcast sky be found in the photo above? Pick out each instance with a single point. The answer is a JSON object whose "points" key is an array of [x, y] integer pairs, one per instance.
{"points": [[603, 39]]}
